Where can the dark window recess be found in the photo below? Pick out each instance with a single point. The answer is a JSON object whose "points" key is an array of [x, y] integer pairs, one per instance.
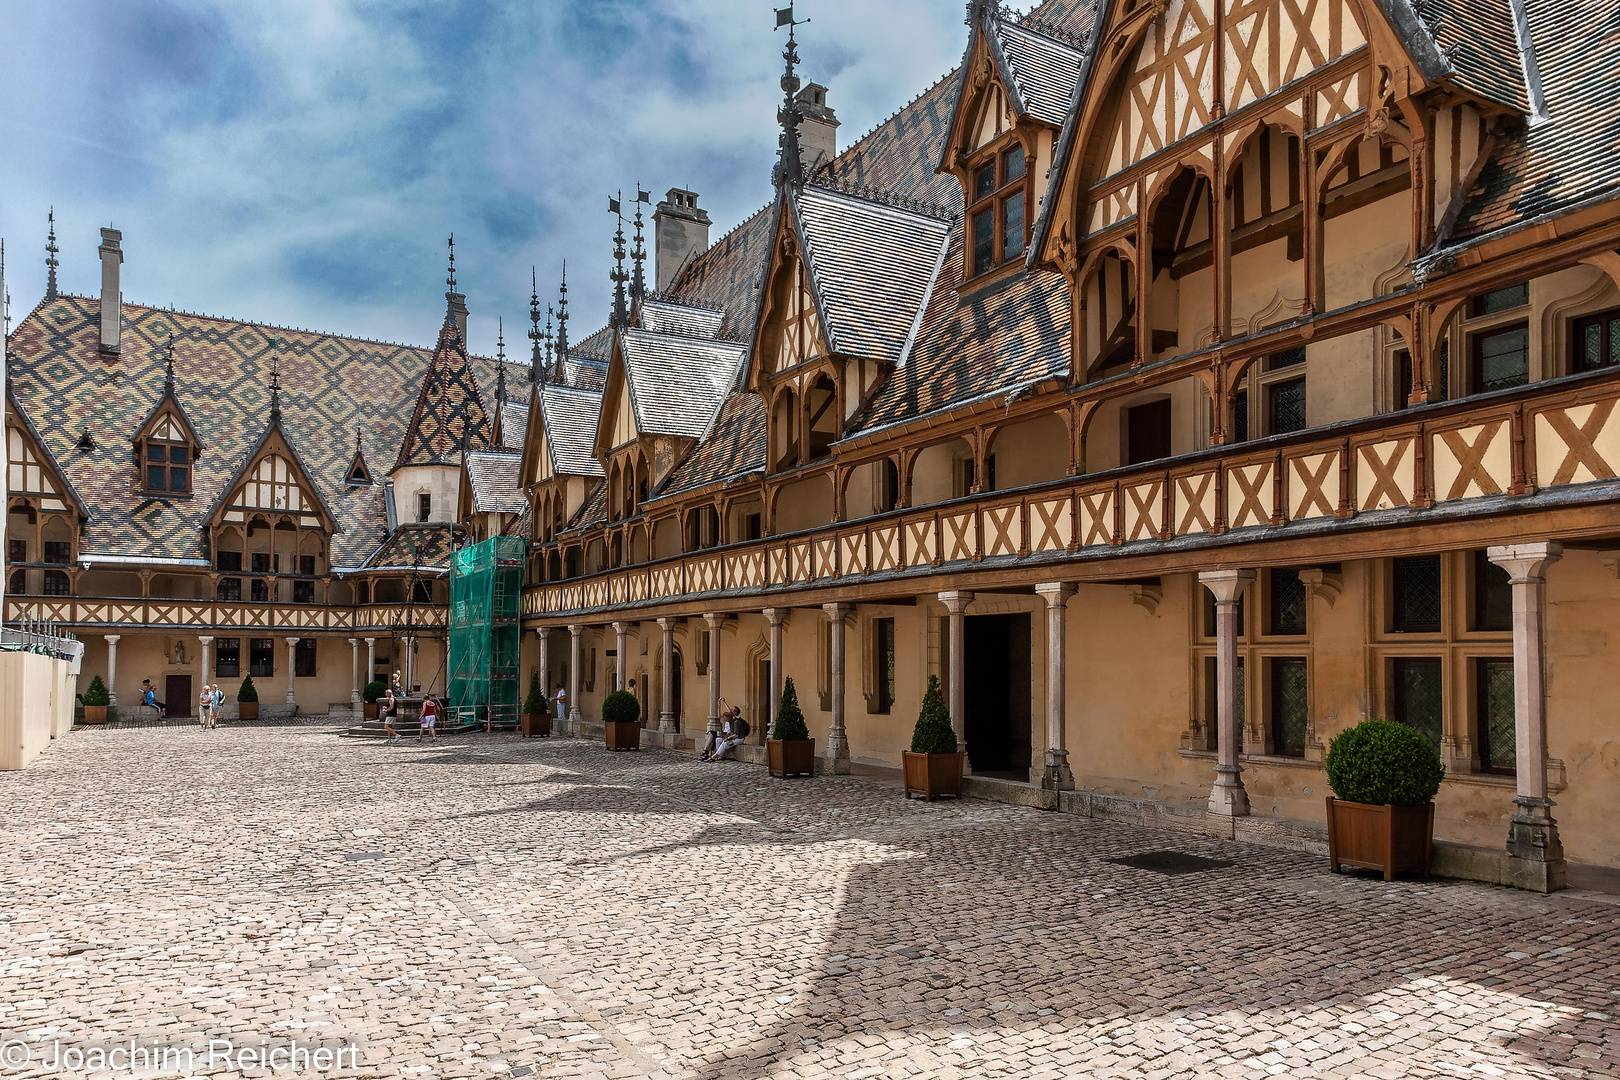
{"points": [[19, 582], [1209, 614], [1502, 359], [229, 588], [1289, 706], [259, 591], [1212, 707], [1287, 358], [421, 592], [1285, 402], [883, 663], [1419, 695], [1507, 299], [261, 562], [59, 552], [1148, 431], [1288, 602], [1493, 700], [1597, 341], [262, 657], [1240, 416], [303, 592], [1441, 379], [227, 658], [17, 550], [362, 593], [1416, 595], [306, 565], [304, 659], [984, 241], [989, 483], [1493, 595], [228, 561], [753, 527], [424, 507], [55, 583]]}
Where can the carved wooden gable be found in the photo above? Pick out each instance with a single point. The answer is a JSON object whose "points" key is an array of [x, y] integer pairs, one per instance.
{"points": [[273, 485], [791, 331], [1270, 43], [29, 469]]}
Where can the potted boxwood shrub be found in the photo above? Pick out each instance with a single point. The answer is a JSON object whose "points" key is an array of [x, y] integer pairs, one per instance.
{"points": [[790, 751], [621, 721], [96, 699], [536, 716], [1384, 776], [247, 700], [933, 765], [369, 695]]}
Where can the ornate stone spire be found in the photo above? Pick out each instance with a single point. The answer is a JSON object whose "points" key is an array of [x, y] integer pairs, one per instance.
{"points": [[562, 326], [450, 280], [638, 280], [621, 314], [51, 261], [790, 167], [549, 313], [168, 366], [275, 387], [500, 360], [537, 371]]}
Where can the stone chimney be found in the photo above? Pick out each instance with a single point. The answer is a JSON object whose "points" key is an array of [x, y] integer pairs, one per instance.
{"points": [[458, 309], [680, 231], [112, 300], [818, 131]]}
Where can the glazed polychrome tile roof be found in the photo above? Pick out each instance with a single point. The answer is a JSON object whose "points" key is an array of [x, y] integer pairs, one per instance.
{"points": [[427, 546], [450, 416], [870, 303], [495, 477], [734, 446], [678, 383], [333, 387], [568, 419], [1477, 39]]}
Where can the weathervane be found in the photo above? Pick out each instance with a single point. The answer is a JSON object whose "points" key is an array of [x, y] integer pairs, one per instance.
{"points": [[621, 317], [790, 169], [451, 279], [638, 280]]}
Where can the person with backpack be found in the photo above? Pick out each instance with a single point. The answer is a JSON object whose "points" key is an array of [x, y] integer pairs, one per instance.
{"points": [[733, 730], [219, 703]]}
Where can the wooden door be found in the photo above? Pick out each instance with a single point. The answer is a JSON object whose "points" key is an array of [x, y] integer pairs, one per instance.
{"points": [[1148, 431], [177, 695]]}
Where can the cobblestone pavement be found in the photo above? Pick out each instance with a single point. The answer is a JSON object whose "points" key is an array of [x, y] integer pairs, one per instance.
{"points": [[493, 907]]}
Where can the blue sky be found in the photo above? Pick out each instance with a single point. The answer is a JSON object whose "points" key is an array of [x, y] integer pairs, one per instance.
{"points": [[301, 162]]}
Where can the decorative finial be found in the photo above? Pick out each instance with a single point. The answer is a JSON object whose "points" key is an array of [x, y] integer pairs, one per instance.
{"points": [[500, 379], [562, 323], [790, 168], [500, 340], [549, 313], [451, 279], [275, 385], [638, 280], [50, 257], [168, 366], [621, 317], [536, 372]]}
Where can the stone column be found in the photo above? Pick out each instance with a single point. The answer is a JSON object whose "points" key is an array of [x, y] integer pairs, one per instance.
{"points": [[354, 678], [1228, 798], [1057, 776], [409, 666], [956, 604], [112, 668], [668, 722], [574, 633], [544, 634], [1533, 833], [371, 659], [206, 642], [715, 622], [775, 616], [837, 752], [620, 632], [292, 666]]}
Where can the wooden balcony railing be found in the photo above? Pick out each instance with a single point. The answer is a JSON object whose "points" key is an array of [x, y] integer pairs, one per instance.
{"points": [[1556, 432], [207, 615]]}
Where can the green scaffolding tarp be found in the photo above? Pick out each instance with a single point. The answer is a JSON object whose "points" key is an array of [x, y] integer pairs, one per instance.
{"points": [[486, 599]]}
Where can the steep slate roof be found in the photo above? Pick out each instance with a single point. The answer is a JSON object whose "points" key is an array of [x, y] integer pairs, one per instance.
{"points": [[672, 317], [1477, 38], [734, 446], [1043, 69], [587, 361], [870, 304], [514, 422], [428, 546], [1574, 155], [331, 387], [450, 415], [592, 512], [568, 418], [496, 479], [677, 383]]}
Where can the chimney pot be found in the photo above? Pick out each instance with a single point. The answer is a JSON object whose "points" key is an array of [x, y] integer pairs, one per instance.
{"points": [[818, 132], [112, 300], [680, 231], [458, 308]]}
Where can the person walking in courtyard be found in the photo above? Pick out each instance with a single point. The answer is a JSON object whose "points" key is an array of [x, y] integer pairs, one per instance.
{"points": [[219, 703], [205, 707], [390, 713], [560, 703], [430, 717]]}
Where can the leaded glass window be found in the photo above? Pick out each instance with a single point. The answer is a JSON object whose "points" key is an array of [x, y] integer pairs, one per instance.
{"points": [[1498, 746], [1288, 602], [1290, 706], [1493, 595], [1419, 695], [1502, 359], [883, 663], [1416, 595], [1287, 402], [1597, 341]]}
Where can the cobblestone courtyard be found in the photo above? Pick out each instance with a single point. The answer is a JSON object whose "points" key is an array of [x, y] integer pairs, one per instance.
{"points": [[491, 907]]}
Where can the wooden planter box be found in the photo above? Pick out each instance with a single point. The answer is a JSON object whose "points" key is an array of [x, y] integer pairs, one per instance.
{"points": [[621, 736], [247, 710], [791, 757], [369, 710], [536, 725], [95, 714], [1394, 839], [933, 775]]}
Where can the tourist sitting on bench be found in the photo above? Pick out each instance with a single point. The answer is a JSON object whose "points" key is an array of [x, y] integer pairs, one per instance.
{"points": [[733, 730], [149, 698]]}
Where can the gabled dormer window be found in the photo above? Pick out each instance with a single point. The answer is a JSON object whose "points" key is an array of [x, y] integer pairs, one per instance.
{"points": [[358, 473], [998, 211], [167, 456]]}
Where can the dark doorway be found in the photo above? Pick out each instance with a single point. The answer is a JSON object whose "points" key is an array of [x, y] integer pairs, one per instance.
{"points": [[677, 706], [996, 695], [177, 695], [1148, 431], [761, 720]]}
